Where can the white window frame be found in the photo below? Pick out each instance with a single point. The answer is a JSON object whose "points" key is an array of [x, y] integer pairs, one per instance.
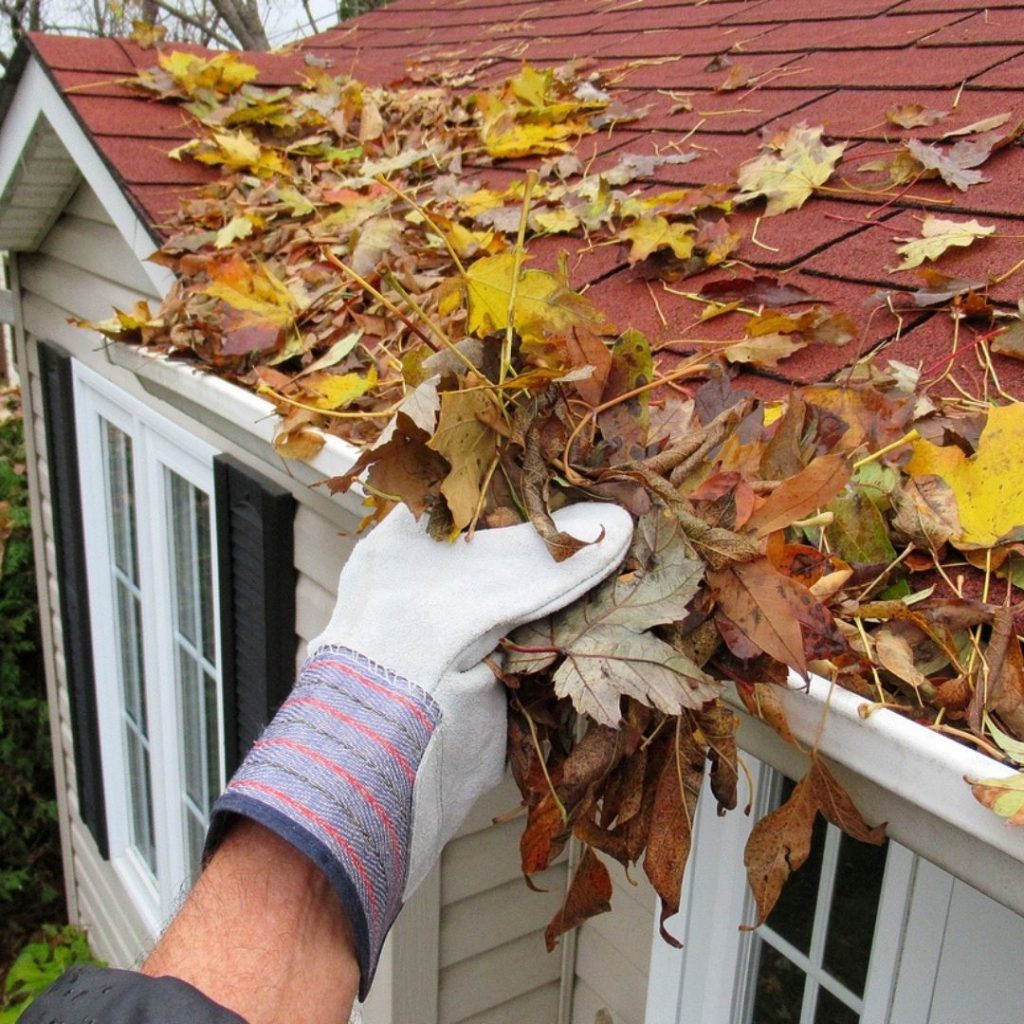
{"points": [[710, 978], [157, 445]]}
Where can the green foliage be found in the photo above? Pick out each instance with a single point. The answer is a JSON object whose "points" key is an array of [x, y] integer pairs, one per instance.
{"points": [[30, 873], [351, 8], [41, 963]]}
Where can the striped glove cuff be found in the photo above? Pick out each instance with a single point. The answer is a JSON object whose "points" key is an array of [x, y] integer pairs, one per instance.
{"points": [[333, 775]]}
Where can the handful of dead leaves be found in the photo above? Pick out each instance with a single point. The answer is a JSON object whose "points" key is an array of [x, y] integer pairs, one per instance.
{"points": [[344, 267]]}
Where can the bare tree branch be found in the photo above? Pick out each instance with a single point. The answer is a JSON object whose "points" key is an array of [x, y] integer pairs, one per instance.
{"points": [[242, 18]]}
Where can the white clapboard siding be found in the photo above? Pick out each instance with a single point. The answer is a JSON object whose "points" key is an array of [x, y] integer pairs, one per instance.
{"points": [[493, 963], [613, 951]]}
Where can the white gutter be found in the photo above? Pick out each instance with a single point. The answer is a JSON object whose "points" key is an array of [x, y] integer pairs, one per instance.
{"points": [[903, 773], [236, 414]]}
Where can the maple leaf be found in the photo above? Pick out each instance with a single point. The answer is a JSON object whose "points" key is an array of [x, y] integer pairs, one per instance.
{"points": [[607, 651], [938, 235], [542, 302], [957, 164], [652, 233], [990, 500], [913, 115], [798, 162], [336, 390], [469, 445]]}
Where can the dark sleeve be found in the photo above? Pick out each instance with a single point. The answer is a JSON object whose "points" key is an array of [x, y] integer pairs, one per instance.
{"points": [[100, 995]]}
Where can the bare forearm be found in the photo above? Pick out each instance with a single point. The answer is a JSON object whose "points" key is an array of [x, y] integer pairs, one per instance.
{"points": [[263, 934]]}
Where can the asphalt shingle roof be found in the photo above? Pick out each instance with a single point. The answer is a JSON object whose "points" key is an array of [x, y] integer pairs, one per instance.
{"points": [[835, 63]]}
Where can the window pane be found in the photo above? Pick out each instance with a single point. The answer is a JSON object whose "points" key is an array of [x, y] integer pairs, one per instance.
{"points": [[191, 559], [204, 566], [793, 916], [184, 560], [831, 1011], [124, 577], [121, 498], [192, 729], [142, 839], [780, 988], [851, 923]]}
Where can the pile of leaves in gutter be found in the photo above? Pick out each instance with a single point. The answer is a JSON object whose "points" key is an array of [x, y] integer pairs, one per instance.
{"points": [[344, 265]]}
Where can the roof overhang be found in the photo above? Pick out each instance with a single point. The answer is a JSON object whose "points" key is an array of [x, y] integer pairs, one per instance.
{"points": [[44, 155]]}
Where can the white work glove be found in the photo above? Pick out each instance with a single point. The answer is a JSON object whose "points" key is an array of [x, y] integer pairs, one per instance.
{"points": [[395, 726]]}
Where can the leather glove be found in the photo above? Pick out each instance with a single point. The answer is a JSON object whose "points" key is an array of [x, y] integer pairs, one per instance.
{"points": [[395, 726]]}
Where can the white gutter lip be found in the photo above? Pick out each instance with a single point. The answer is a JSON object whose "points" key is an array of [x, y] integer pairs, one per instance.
{"points": [[919, 765]]}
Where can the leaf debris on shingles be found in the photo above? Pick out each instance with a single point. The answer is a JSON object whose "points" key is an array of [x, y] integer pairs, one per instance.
{"points": [[346, 266]]}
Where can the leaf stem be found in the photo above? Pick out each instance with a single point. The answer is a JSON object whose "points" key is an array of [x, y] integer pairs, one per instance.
{"points": [[517, 262], [426, 216], [543, 762], [679, 372]]}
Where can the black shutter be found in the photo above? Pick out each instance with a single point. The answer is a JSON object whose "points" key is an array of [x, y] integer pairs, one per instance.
{"points": [[62, 459], [255, 545]]}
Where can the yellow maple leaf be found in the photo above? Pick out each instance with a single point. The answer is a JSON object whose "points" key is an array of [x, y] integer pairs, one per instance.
{"points": [[990, 499], [1005, 796], [797, 163], [469, 444], [336, 390], [255, 290], [542, 301], [938, 235], [237, 151], [226, 73], [653, 233]]}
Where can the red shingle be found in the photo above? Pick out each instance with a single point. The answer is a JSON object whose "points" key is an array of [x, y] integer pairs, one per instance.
{"points": [[945, 67], [783, 11], [998, 27], [852, 33]]}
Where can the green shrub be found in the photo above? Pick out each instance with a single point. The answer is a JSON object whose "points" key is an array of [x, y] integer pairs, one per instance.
{"points": [[41, 963], [30, 871]]}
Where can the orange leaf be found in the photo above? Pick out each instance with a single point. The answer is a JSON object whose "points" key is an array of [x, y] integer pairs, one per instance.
{"points": [[778, 845], [589, 894], [812, 488]]}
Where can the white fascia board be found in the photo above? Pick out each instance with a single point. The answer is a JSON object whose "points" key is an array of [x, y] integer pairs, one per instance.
{"points": [[901, 772], [36, 97]]}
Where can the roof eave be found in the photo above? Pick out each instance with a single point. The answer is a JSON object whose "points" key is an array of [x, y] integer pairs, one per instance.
{"points": [[45, 153]]}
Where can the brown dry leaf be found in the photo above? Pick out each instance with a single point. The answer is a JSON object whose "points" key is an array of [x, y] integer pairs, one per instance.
{"points": [[590, 893], [913, 115], [779, 844], [719, 725], [762, 701], [544, 837], [403, 467], [895, 654], [760, 290], [760, 602], [801, 495], [836, 806], [671, 830]]}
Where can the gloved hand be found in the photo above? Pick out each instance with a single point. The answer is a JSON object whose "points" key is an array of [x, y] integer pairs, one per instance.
{"points": [[395, 727]]}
